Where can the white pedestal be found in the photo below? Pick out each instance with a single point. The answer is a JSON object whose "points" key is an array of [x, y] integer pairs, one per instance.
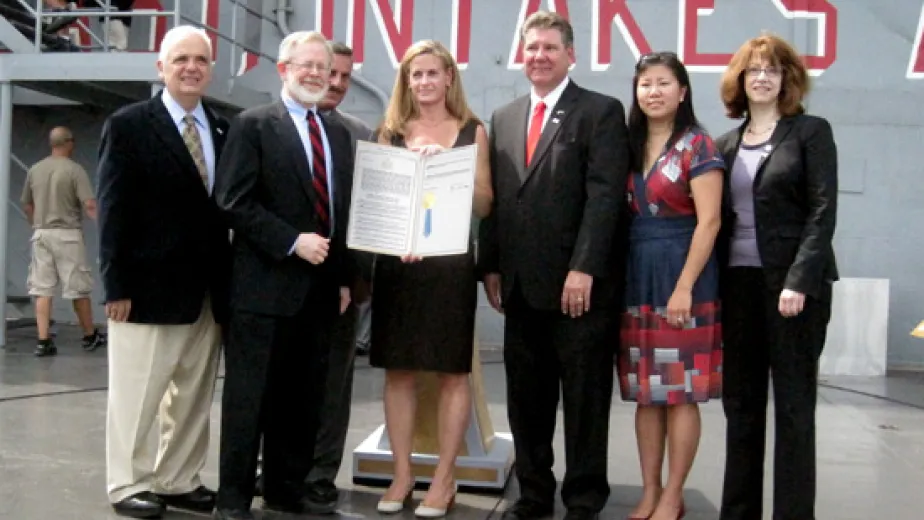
{"points": [[857, 342], [486, 457], [372, 462]]}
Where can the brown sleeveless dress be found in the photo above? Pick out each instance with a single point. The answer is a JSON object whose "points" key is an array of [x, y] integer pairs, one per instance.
{"points": [[423, 314]]}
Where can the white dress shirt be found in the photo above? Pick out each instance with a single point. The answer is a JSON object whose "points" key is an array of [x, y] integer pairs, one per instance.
{"points": [[177, 113]]}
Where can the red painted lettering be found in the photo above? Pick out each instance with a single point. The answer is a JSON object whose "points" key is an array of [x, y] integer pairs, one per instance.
{"points": [[606, 13], [324, 23], [209, 18], [248, 62], [916, 62], [822, 11], [688, 32], [528, 7], [825, 15], [324, 17], [461, 38], [398, 36]]}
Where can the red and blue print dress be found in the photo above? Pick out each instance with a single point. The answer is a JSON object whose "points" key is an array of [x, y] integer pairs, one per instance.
{"points": [[658, 363]]}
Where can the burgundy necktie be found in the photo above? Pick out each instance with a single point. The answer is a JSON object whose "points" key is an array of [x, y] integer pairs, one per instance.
{"points": [[319, 173]]}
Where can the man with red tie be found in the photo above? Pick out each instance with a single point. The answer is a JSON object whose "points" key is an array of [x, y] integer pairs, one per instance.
{"points": [[552, 259], [285, 186]]}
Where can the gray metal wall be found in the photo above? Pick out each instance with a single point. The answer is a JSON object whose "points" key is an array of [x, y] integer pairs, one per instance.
{"points": [[866, 94]]}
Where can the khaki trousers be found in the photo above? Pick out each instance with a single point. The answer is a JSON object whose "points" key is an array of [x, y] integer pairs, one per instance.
{"points": [[167, 371]]}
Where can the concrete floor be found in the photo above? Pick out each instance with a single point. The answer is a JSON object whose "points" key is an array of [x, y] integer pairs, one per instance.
{"points": [[52, 431]]}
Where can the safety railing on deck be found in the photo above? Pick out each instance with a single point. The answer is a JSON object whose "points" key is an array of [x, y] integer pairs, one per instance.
{"points": [[58, 19]]}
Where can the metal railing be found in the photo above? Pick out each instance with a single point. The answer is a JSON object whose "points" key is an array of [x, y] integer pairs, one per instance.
{"points": [[106, 12], [40, 14]]}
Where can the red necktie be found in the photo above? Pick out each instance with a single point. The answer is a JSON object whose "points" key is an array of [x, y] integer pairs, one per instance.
{"points": [[535, 130], [319, 173]]}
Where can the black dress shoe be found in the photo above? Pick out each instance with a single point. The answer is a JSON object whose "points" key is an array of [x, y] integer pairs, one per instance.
{"points": [[580, 513], [140, 505], [322, 494], [528, 510], [305, 504], [232, 514], [199, 500]]}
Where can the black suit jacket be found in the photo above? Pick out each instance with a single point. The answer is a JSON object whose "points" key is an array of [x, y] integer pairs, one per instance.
{"points": [[795, 203], [163, 244], [267, 194], [359, 131], [561, 212]]}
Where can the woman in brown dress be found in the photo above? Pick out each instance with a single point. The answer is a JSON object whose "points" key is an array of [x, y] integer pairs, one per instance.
{"points": [[423, 311]]}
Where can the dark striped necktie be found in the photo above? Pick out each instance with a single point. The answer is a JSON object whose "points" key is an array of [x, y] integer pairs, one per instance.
{"points": [[319, 173]]}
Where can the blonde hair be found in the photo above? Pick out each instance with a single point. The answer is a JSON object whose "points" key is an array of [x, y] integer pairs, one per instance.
{"points": [[403, 107], [293, 40]]}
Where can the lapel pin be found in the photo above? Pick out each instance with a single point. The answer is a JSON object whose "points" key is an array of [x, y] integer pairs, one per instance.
{"points": [[220, 131], [555, 120]]}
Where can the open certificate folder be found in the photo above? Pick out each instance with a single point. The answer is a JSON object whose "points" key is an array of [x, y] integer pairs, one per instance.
{"points": [[408, 204]]}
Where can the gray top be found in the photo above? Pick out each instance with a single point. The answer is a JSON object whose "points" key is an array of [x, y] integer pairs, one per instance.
{"points": [[743, 251]]}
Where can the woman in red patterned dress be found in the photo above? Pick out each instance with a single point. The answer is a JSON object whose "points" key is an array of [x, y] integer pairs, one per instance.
{"points": [[670, 349]]}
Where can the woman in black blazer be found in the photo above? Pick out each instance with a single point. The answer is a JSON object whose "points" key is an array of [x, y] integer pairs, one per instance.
{"points": [[777, 268]]}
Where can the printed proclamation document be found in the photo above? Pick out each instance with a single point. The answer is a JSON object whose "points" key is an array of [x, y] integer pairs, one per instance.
{"points": [[405, 203]]}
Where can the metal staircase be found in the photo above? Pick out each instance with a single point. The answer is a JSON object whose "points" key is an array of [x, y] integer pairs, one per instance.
{"points": [[34, 56]]}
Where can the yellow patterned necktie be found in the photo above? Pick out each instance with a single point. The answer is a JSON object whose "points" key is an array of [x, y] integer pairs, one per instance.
{"points": [[194, 145]]}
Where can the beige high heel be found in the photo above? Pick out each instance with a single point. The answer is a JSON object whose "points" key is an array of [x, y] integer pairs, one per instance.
{"points": [[390, 507], [423, 511]]}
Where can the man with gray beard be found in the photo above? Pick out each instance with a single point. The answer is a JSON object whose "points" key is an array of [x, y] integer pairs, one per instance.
{"points": [[285, 187], [352, 329]]}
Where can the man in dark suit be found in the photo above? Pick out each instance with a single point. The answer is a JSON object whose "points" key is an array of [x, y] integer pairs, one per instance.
{"points": [[164, 262], [559, 159], [335, 417], [285, 187]]}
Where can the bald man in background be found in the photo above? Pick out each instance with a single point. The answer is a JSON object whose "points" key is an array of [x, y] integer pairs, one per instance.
{"points": [[55, 195]]}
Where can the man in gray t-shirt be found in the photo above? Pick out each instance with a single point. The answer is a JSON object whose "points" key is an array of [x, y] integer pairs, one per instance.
{"points": [[55, 195]]}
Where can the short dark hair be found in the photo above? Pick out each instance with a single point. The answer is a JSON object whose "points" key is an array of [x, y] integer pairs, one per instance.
{"points": [[549, 20], [341, 49], [794, 79]]}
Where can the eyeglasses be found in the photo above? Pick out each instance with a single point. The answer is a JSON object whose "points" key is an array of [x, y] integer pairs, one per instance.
{"points": [[311, 66], [770, 72]]}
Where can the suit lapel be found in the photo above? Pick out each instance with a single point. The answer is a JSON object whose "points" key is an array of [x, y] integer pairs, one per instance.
{"points": [[290, 140], [328, 124], [729, 153], [779, 133], [166, 130], [520, 121], [218, 129], [559, 113]]}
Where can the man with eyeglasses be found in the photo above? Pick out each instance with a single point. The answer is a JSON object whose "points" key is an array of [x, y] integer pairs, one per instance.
{"points": [[285, 188], [352, 330]]}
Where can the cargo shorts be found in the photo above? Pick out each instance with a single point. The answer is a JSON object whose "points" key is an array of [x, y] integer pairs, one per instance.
{"points": [[59, 257]]}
